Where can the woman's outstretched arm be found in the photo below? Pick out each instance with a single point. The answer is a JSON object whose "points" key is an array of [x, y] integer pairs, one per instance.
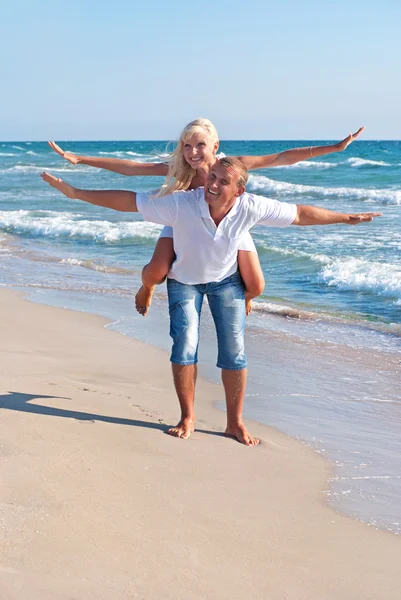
{"points": [[117, 165], [290, 157]]}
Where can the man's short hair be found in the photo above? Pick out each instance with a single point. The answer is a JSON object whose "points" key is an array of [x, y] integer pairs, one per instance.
{"points": [[238, 166]]}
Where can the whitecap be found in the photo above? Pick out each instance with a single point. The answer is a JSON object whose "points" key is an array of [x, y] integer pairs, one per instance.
{"points": [[32, 168], [356, 274], [309, 164], [66, 225], [260, 183], [143, 157], [355, 161]]}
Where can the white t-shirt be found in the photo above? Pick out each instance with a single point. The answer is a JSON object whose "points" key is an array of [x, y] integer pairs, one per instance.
{"points": [[204, 252], [247, 242]]}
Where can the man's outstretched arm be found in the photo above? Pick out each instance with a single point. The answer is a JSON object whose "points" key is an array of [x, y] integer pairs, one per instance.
{"points": [[313, 215], [121, 200]]}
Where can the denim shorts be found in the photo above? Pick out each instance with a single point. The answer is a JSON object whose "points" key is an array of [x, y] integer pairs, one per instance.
{"points": [[227, 305]]}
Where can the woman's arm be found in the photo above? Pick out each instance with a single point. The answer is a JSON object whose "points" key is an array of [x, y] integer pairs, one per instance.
{"points": [[117, 165], [290, 157]]}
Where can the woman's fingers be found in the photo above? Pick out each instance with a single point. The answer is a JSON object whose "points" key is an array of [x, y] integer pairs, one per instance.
{"points": [[357, 133], [56, 148], [72, 158]]}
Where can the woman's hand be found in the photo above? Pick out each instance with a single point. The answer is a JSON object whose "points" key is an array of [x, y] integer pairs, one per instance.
{"points": [[72, 158], [349, 139]]}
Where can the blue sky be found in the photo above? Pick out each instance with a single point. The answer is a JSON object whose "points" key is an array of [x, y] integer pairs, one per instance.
{"points": [[88, 69]]}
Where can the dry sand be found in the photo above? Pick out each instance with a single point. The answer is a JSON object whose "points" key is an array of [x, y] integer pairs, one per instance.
{"points": [[97, 502]]}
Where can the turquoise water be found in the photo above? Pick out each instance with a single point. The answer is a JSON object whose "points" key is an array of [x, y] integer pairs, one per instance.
{"points": [[324, 338], [350, 272]]}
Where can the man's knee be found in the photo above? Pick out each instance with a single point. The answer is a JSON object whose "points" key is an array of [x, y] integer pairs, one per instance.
{"points": [[184, 331]]}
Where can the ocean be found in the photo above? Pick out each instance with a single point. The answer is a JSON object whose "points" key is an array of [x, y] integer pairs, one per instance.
{"points": [[323, 340]]}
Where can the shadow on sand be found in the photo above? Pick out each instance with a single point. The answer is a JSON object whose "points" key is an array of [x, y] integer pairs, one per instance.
{"points": [[22, 402]]}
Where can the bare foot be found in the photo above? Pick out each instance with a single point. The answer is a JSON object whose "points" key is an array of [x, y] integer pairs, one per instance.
{"points": [[248, 305], [240, 433], [183, 429], [143, 299], [59, 184]]}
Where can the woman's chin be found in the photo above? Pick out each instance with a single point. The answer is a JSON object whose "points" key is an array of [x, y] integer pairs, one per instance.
{"points": [[197, 164]]}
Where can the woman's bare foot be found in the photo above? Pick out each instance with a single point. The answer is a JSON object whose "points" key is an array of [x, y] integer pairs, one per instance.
{"points": [[183, 429], [59, 184], [240, 433], [143, 299]]}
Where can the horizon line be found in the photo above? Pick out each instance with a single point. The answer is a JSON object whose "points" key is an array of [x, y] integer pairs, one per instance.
{"points": [[221, 140]]}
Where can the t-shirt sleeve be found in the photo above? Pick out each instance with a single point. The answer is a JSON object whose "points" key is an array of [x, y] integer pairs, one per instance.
{"points": [[162, 210], [274, 213], [247, 243], [166, 232]]}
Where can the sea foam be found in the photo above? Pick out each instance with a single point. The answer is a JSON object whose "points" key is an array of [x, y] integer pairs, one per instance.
{"points": [[264, 185], [356, 274], [33, 168], [65, 225], [94, 266], [310, 164], [355, 161]]}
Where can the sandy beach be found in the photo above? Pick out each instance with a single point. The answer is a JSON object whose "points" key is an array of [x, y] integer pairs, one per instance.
{"points": [[98, 502]]}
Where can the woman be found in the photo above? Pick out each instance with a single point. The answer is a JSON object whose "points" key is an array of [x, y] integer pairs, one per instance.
{"points": [[187, 168]]}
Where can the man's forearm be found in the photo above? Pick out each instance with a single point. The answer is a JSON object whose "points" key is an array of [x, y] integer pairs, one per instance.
{"points": [[314, 215], [121, 200]]}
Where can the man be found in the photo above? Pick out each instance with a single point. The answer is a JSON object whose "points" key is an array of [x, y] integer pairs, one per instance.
{"points": [[208, 226]]}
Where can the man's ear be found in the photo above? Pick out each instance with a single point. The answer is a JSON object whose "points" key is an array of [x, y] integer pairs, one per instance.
{"points": [[240, 190]]}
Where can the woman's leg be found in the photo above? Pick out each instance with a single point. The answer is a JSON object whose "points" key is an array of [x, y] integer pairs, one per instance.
{"points": [[154, 273], [252, 276]]}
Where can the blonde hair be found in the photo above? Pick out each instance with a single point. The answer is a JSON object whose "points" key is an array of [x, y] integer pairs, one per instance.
{"points": [[180, 173]]}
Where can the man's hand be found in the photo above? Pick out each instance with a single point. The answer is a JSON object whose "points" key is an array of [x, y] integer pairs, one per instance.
{"points": [[72, 158], [60, 185], [349, 139], [362, 218]]}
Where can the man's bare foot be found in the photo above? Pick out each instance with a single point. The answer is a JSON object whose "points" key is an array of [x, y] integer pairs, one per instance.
{"points": [[183, 429], [240, 433], [59, 184], [143, 299]]}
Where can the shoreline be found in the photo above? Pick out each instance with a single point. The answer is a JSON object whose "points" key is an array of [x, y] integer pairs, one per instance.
{"points": [[93, 508], [337, 422]]}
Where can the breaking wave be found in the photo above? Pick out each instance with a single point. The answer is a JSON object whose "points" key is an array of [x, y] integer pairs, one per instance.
{"points": [[66, 225], [262, 184]]}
